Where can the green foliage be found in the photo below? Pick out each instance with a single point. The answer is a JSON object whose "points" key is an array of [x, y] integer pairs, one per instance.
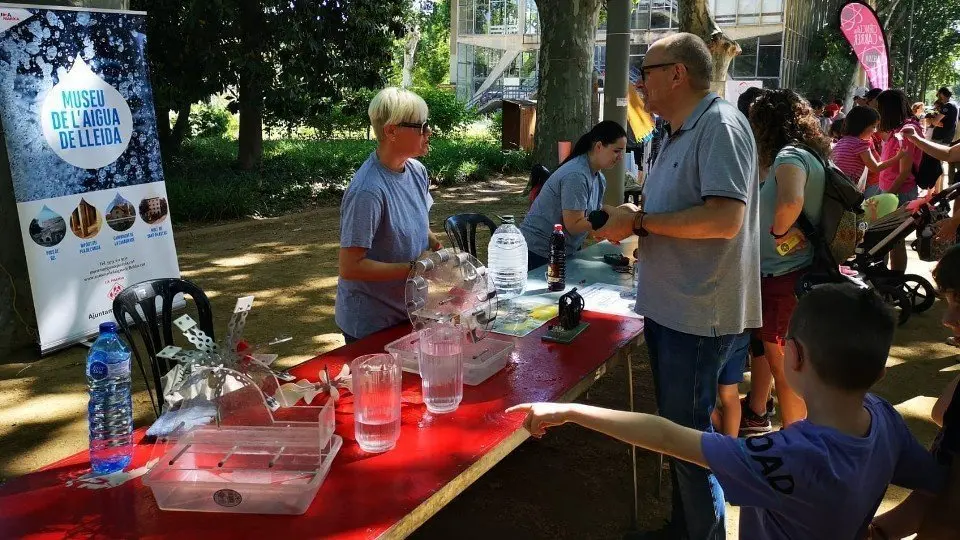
{"points": [[432, 61], [935, 40], [448, 115], [209, 121], [829, 67], [495, 131], [202, 184]]}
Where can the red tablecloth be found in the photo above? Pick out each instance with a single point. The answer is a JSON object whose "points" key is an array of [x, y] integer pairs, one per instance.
{"points": [[364, 495]]}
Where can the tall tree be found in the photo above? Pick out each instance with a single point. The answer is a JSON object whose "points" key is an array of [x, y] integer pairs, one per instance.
{"points": [[695, 18], [185, 40], [567, 37]]}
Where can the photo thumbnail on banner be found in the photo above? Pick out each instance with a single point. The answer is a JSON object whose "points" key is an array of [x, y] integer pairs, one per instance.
{"points": [[81, 135]]}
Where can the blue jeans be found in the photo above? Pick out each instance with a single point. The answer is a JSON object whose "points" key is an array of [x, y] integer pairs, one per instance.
{"points": [[685, 370]]}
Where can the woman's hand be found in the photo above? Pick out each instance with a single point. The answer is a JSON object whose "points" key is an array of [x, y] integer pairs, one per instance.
{"points": [[908, 131]]}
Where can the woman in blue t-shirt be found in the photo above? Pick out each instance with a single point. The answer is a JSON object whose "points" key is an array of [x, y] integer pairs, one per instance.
{"points": [[788, 136], [574, 190], [384, 218]]}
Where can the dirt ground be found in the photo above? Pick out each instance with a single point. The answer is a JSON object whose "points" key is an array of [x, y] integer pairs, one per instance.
{"points": [[571, 484]]}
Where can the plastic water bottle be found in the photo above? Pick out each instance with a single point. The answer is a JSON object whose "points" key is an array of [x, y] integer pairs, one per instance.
{"points": [[507, 260], [110, 409], [557, 265]]}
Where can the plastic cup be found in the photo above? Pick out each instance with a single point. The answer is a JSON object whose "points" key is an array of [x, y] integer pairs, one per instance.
{"points": [[441, 368], [376, 401]]}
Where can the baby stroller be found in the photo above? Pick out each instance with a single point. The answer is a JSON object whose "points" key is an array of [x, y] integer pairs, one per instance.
{"points": [[908, 293]]}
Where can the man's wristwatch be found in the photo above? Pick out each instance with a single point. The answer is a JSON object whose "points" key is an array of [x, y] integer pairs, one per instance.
{"points": [[638, 224]]}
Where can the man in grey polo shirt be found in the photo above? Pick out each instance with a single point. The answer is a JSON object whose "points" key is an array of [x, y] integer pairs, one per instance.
{"points": [[699, 257]]}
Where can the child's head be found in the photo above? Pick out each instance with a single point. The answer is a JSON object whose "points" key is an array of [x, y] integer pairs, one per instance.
{"points": [[839, 337], [862, 122], [836, 129], [947, 276]]}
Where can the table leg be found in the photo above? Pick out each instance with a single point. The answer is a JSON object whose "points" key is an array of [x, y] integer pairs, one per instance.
{"points": [[635, 515]]}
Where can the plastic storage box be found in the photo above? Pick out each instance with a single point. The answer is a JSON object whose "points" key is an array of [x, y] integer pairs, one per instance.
{"points": [[480, 360], [274, 467]]}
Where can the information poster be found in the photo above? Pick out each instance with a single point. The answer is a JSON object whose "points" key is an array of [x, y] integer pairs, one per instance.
{"points": [[77, 112]]}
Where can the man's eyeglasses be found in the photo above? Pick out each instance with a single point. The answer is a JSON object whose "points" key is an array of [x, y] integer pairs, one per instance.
{"points": [[424, 127], [645, 69]]}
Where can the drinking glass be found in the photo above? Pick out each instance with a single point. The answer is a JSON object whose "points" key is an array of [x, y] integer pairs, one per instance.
{"points": [[441, 367], [376, 401]]}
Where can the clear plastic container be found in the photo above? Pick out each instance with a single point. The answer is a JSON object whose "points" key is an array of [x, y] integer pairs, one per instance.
{"points": [[441, 367], [481, 360], [507, 259], [244, 457], [376, 401]]}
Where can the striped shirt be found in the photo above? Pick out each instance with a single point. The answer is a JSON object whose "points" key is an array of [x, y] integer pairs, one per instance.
{"points": [[846, 154]]}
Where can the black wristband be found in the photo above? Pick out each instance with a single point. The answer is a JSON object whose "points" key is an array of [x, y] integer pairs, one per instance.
{"points": [[638, 224]]}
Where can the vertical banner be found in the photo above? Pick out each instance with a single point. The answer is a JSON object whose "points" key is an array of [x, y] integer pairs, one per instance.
{"points": [[860, 26], [77, 113]]}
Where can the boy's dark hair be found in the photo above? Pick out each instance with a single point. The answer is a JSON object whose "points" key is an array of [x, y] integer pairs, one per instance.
{"points": [[947, 272], [945, 91], [836, 128], [845, 332], [816, 104], [872, 94], [838, 102], [859, 119]]}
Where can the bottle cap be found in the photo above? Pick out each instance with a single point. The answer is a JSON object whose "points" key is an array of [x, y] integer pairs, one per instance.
{"points": [[108, 327], [558, 228]]}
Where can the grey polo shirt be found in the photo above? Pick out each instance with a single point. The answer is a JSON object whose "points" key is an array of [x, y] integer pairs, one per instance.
{"points": [[703, 287]]}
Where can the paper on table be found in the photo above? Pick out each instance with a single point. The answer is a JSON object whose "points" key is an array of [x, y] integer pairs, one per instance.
{"points": [[612, 299], [524, 314]]}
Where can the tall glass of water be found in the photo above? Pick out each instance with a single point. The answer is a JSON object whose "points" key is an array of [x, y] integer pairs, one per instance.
{"points": [[441, 367], [376, 401]]}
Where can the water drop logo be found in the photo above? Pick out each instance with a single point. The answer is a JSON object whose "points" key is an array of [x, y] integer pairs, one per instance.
{"points": [[48, 228], [85, 120]]}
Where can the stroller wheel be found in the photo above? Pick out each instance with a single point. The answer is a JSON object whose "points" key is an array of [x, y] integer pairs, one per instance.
{"points": [[919, 291], [897, 298]]}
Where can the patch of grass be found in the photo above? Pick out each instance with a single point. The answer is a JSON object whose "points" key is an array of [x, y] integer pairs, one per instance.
{"points": [[203, 184]]}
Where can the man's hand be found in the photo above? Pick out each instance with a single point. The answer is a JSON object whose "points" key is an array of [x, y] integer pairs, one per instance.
{"points": [[619, 225], [908, 131], [541, 416]]}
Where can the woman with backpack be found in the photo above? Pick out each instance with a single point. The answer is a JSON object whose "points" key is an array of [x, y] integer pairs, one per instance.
{"points": [[573, 191], [894, 116], [792, 147]]}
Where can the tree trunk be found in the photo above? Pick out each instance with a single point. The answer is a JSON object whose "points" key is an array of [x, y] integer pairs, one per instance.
{"points": [[409, 53], [163, 127], [252, 71], [695, 18], [181, 129], [567, 36]]}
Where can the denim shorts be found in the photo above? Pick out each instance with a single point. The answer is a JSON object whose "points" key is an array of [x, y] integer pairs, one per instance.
{"points": [[731, 371]]}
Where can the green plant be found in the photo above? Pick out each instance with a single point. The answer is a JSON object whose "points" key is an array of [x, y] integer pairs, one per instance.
{"points": [[448, 115], [496, 125], [204, 185], [209, 121]]}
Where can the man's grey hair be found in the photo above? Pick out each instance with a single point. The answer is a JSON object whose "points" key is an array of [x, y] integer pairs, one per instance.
{"points": [[692, 52]]}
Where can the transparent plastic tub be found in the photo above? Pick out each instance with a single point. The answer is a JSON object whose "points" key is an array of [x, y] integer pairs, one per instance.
{"points": [[268, 463], [481, 360]]}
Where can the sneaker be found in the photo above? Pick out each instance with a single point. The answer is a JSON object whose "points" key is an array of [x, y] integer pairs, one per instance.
{"points": [[752, 423]]}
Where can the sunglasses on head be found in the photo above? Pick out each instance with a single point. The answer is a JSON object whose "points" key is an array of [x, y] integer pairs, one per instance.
{"points": [[424, 127]]}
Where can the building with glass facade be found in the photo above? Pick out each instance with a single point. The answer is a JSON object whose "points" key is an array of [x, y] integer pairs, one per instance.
{"points": [[497, 41]]}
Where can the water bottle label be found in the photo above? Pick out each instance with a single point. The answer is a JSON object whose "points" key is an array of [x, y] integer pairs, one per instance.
{"points": [[101, 370]]}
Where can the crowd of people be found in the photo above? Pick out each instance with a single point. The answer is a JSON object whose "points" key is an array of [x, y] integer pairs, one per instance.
{"points": [[719, 256]]}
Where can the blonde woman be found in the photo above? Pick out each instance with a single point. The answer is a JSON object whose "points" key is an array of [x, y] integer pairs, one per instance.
{"points": [[384, 218]]}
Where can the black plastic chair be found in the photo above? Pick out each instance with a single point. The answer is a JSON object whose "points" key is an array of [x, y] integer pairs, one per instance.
{"points": [[462, 230], [156, 332]]}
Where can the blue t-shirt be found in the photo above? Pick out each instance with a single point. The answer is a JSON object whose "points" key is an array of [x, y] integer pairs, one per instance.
{"points": [[573, 186], [810, 481], [387, 213], [771, 263]]}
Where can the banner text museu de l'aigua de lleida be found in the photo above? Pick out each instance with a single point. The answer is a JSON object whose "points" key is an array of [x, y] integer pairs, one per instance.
{"points": [[77, 113]]}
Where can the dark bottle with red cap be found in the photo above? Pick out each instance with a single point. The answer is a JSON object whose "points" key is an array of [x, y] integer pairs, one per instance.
{"points": [[556, 267]]}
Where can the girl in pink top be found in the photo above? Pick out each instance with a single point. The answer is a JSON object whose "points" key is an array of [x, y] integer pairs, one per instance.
{"points": [[894, 115], [854, 151]]}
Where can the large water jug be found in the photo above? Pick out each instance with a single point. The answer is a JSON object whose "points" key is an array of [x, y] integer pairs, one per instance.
{"points": [[110, 409], [507, 260]]}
